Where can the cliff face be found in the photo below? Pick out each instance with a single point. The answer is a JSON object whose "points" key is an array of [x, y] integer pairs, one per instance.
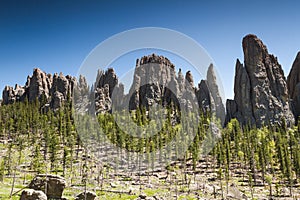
{"points": [[261, 93], [214, 90], [293, 83], [52, 91], [155, 82]]}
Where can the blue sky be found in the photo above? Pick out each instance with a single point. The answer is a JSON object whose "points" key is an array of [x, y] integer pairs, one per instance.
{"points": [[56, 36]]}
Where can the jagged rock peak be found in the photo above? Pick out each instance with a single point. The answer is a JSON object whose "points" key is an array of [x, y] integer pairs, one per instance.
{"points": [[107, 77], [252, 41], [293, 82], [215, 93], [261, 94], [50, 90], [294, 76], [189, 78], [153, 58]]}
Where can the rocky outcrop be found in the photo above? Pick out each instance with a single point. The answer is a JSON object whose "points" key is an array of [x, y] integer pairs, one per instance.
{"points": [[205, 98], [51, 91], [107, 84], [155, 81], [151, 77], [30, 194], [88, 195], [241, 106], [55, 185], [61, 90], [293, 83], [261, 94], [38, 85], [11, 95], [215, 93]]}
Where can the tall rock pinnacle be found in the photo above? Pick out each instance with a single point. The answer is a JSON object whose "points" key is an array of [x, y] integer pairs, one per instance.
{"points": [[261, 94], [293, 82]]}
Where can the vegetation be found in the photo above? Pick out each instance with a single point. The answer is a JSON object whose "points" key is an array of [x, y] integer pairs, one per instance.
{"points": [[35, 141]]}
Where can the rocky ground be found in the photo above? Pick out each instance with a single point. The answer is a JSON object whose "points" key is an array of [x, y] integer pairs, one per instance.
{"points": [[177, 181]]}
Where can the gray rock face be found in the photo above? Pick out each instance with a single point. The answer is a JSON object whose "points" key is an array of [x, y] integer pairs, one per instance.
{"points": [[155, 81], [189, 78], [88, 195], [151, 77], [50, 90], [55, 185], [293, 81], [108, 77], [30, 194], [38, 84], [214, 90], [205, 99], [261, 94], [61, 90], [11, 95], [241, 106], [107, 84]]}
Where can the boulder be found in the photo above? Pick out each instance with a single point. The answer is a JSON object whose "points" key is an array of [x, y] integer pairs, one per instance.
{"points": [[53, 185], [30, 194], [88, 195]]}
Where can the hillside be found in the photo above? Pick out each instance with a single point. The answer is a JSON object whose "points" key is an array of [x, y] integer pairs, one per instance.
{"points": [[165, 139]]}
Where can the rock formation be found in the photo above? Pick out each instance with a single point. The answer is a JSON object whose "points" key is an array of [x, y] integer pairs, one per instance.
{"points": [[88, 195], [106, 84], [11, 95], [30, 194], [293, 83], [261, 94], [214, 90], [205, 98], [55, 185], [51, 91], [151, 77], [38, 85], [155, 81]]}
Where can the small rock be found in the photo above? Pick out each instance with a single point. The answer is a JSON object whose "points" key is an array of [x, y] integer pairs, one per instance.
{"points": [[142, 196]]}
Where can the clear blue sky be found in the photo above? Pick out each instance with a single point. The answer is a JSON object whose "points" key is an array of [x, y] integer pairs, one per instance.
{"points": [[57, 35]]}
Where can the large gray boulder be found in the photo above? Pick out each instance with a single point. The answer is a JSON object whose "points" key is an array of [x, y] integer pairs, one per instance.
{"points": [[261, 93], [53, 185], [30, 194]]}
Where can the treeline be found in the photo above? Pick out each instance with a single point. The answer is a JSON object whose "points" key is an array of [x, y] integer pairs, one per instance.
{"points": [[47, 141], [35, 138]]}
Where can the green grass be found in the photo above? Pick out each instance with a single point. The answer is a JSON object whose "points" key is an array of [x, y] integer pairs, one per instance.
{"points": [[152, 192], [113, 196], [5, 191]]}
